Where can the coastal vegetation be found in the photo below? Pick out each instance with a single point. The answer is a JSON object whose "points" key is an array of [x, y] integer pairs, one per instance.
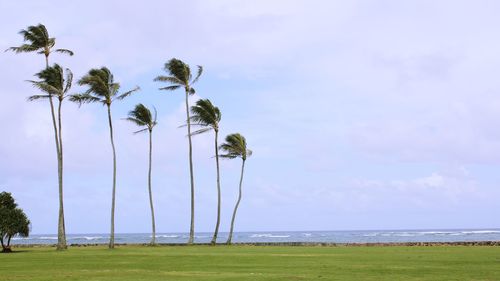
{"points": [[13, 221], [142, 117], [103, 89], [208, 116], [180, 77], [37, 40], [100, 87], [236, 147]]}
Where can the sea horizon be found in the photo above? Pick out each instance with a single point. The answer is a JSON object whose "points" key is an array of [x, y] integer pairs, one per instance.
{"points": [[334, 236]]}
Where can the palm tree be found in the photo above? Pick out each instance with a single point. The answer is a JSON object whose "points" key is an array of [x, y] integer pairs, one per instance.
{"points": [[205, 114], [142, 117], [179, 76], [38, 40], [235, 146], [102, 88], [56, 82]]}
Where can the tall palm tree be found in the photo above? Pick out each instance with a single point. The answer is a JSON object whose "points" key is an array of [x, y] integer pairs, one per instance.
{"points": [[180, 76], [235, 146], [208, 116], [103, 89], [56, 82], [37, 39], [142, 117]]}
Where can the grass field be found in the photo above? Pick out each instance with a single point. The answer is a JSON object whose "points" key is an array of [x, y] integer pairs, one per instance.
{"points": [[253, 263]]}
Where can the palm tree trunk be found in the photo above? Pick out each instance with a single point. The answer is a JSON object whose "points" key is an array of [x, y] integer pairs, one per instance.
{"points": [[191, 229], [153, 239], [236, 207], [216, 232], [112, 232], [61, 232]]}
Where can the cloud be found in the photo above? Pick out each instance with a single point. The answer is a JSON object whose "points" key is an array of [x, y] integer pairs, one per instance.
{"points": [[352, 110]]}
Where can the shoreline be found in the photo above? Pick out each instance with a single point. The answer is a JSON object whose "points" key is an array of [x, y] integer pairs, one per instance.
{"points": [[284, 244]]}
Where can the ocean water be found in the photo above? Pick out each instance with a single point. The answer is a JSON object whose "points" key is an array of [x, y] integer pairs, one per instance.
{"points": [[365, 236]]}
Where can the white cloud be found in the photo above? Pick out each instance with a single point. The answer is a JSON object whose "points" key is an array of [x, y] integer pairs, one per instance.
{"points": [[329, 95]]}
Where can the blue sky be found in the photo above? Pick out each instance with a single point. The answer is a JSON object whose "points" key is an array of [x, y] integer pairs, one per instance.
{"points": [[361, 114]]}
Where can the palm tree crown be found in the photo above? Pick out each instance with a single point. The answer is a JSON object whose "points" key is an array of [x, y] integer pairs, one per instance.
{"points": [[142, 117], [101, 88], [205, 114], [38, 40], [179, 76], [235, 146], [54, 81]]}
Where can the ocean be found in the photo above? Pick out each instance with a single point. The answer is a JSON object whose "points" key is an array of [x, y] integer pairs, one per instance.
{"points": [[365, 236]]}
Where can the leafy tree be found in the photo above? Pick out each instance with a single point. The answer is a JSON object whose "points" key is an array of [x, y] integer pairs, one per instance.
{"points": [[180, 76], [235, 146], [103, 89], [208, 116], [37, 39], [13, 221], [142, 117]]}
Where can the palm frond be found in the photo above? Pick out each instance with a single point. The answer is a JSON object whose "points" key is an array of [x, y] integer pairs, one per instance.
{"points": [[136, 121], [25, 48], [228, 156], [200, 131], [126, 94], [170, 88], [198, 74], [64, 51], [38, 97], [170, 79], [155, 117], [44, 87], [29, 36], [40, 33], [69, 80], [140, 131], [84, 98]]}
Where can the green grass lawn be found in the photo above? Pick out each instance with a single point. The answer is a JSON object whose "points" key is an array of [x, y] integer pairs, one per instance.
{"points": [[253, 263]]}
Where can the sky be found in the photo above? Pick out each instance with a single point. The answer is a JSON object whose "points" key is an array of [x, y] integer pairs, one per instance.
{"points": [[361, 114]]}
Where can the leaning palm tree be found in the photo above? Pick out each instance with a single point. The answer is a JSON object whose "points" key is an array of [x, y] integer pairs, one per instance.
{"points": [[180, 76], [235, 146], [208, 116], [142, 117], [37, 39], [103, 89]]}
